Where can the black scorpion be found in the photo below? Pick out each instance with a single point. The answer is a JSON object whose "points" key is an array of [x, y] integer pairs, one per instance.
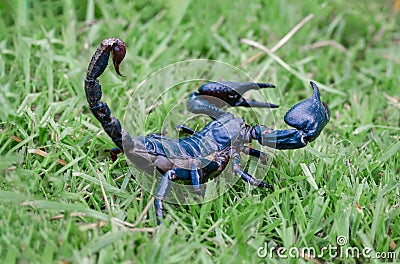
{"points": [[206, 153]]}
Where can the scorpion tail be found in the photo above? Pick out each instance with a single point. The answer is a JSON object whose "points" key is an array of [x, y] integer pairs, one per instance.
{"points": [[93, 91]]}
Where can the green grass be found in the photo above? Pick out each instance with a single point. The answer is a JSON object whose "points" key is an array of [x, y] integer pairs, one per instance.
{"points": [[346, 183]]}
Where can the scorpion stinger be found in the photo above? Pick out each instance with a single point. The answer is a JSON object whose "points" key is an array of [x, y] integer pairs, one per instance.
{"points": [[204, 154]]}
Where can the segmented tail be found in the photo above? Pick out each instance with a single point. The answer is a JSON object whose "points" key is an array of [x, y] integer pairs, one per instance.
{"points": [[93, 91]]}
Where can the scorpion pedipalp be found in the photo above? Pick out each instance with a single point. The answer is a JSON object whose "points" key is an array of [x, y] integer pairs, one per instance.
{"points": [[308, 117]]}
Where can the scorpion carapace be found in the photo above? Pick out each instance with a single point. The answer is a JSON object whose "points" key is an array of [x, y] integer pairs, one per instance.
{"points": [[206, 153]]}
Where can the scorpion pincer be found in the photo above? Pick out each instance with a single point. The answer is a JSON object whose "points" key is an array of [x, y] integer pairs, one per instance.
{"points": [[204, 154]]}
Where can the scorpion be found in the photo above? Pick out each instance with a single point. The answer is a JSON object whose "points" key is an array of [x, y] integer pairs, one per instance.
{"points": [[206, 153]]}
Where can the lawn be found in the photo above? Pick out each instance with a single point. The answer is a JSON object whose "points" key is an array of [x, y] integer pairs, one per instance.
{"points": [[62, 199]]}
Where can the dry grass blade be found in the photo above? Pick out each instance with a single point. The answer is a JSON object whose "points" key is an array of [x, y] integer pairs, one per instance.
{"points": [[103, 192], [394, 100], [287, 67], [36, 151], [396, 6], [142, 214], [44, 154], [72, 214], [324, 43], [143, 229], [281, 42]]}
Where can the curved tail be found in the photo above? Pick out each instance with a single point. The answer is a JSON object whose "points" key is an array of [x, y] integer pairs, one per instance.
{"points": [[93, 91]]}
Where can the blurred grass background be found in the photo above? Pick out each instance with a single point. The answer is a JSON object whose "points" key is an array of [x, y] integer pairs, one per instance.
{"points": [[53, 153]]}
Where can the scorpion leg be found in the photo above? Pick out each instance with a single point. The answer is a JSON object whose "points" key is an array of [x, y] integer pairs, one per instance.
{"points": [[195, 175], [212, 96], [162, 191], [114, 153], [245, 176], [308, 118], [255, 153]]}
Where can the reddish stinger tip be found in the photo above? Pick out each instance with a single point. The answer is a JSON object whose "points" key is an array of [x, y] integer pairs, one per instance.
{"points": [[118, 54]]}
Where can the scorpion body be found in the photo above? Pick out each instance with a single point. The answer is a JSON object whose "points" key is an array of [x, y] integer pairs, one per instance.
{"points": [[206, 153]]}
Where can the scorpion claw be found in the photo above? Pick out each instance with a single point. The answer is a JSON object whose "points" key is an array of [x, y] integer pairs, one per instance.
{"points": [[249, 103], [212, 96], [309, 117], [231, 93]]}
